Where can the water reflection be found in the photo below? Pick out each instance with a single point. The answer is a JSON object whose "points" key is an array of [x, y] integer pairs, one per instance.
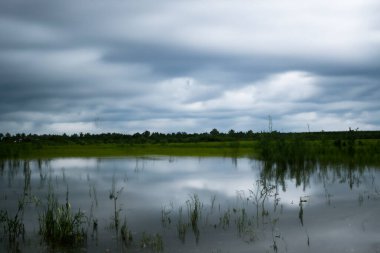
{"points": [[205, 204]]}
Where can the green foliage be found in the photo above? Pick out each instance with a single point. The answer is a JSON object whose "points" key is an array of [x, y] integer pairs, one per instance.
{"points": [[194, 208], [181, 226], [259, 195], [286, 149], [298, 156], [126, 234], [226, 149], [155, 242], [13, 227], [13, 224], [244, 224], [59, 226], [224, 220], [114, 195], [165, 217]]}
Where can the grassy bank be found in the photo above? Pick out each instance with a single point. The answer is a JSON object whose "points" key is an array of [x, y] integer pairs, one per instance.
{"points": [[274, 148], [28, 150]]}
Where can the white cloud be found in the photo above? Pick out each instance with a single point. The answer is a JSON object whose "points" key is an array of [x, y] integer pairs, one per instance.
{"points": [[279, 89], [70, 128]]}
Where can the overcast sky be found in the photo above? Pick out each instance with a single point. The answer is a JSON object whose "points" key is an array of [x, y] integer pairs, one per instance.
{"points": [[168, 66]]}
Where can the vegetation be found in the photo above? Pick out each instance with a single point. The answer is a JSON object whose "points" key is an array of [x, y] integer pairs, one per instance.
{"points": [[283, 155], [296, 158], [194, 208], [154, 242], [27, 150], [59, 226], [259, 195], [114, 195], [285, 148], [13, 226], [126, 234]]}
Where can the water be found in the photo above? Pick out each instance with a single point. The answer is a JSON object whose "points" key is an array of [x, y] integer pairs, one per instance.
{"points": [[240, 208]]}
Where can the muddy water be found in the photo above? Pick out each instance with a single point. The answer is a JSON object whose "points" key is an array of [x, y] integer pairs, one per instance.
{"points": [[239, 208]]}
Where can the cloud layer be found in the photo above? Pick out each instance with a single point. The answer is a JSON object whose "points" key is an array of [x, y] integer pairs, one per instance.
{"points": [[127, 66]]}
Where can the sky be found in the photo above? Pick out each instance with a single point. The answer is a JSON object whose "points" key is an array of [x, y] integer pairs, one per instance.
{"points": [[189, 65]]}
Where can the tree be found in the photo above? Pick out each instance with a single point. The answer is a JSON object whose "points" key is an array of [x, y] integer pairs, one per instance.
{"points": [[214, 132]]}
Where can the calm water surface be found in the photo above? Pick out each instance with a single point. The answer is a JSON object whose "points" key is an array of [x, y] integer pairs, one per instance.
{"points": [[241, 208]]}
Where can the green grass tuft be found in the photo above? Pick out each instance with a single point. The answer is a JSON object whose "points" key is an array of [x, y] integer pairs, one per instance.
{"points": [[61, 227]]}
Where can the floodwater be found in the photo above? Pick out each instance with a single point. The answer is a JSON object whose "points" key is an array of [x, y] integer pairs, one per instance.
{"points": [[239, 208]]}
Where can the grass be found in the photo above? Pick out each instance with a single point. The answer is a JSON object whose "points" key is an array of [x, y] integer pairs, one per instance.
{"points": [[206, 149], [241, 221], [181, 226], [284, 151], [296, 153], [154, 242], [60, 226], [224, 220], [114, 195], [165, 217], [13, 226], [191, 221], [194, 208], [258, 195], [126, 234], [282, 159]]}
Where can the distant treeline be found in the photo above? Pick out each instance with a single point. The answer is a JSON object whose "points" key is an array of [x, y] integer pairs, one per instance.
{"points": [[181, 137], [281, 150]]}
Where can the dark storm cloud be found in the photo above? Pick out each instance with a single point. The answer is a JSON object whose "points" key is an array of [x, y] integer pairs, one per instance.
{"points": [[165, 61], [69, 66], [168, 61]]}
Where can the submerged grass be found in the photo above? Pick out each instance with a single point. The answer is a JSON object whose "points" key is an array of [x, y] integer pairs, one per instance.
{"points": [[165, 217], [194, 208], [181, 226], [60, 226], [126, 234], [114, 195], [154, 242], [13, 226], [224, 220]]}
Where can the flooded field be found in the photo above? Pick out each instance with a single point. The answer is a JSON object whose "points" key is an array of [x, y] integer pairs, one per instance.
{"points": [[189, 204]]}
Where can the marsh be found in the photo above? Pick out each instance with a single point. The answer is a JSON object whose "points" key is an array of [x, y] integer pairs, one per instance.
{"points": [[195, 204]]}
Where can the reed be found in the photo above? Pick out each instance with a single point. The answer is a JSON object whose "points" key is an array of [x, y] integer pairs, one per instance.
{"points": [[259, 195], [114, 195], [60, 226], [154, 242], [194, 207], [126, 234], [181, 226], [165, 217], [224, 220], [13, 226]]}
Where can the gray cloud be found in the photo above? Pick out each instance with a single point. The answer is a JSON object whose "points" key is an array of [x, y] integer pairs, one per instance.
{"points": [[126, 66]]}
